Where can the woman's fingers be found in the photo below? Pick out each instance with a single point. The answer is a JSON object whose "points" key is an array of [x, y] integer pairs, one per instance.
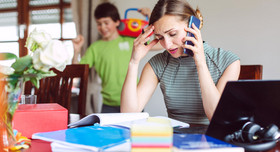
{"points": [[144, 37], [195, 39]]}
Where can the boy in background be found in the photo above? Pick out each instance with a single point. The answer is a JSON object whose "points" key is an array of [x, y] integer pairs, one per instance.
{"points": [[110, 55]]}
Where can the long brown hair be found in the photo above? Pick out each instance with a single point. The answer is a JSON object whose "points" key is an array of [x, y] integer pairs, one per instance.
{"points": [[179, 8]]}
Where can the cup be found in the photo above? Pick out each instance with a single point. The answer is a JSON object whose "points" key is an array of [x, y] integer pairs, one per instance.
{"points": [[28, 99]]}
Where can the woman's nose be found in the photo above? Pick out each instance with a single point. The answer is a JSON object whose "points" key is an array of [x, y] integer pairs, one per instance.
{"points": [[167, 43]]}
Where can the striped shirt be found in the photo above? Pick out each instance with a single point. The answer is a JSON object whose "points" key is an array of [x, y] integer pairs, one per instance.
{"points": [[180, 85]]}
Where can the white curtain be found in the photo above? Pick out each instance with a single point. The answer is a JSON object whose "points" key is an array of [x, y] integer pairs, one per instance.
{"points": [[83, 16]]}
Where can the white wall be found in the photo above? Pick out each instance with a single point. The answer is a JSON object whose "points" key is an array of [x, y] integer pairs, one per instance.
{"points": [[249, 28]]}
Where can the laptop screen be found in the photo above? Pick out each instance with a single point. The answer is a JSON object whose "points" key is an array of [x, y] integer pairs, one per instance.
{"points": [[257, 101]]}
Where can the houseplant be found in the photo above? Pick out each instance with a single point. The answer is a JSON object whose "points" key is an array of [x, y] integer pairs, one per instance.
{"points": [[45, 53]]}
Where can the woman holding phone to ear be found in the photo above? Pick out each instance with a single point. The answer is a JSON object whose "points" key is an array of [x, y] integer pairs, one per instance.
{"points": [[191, 86]]}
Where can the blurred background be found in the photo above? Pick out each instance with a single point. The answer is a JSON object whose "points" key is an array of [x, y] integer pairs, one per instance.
{"points": [[248, 28]]}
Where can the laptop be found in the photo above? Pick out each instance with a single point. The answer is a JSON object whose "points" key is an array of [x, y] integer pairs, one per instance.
{"points": [[242, 101], [257, 101]]}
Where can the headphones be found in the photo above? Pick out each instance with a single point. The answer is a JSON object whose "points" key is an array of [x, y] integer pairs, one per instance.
{"points": [[255, 138]]}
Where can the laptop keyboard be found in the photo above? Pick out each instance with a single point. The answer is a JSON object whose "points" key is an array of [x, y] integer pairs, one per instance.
{"points": [[190, 130]]}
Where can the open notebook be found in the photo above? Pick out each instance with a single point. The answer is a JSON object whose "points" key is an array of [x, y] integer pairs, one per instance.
{"points": [[120, 119]]}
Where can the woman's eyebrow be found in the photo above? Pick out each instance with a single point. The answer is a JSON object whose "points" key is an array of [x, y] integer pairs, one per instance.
{"points": [[164, 32], [168, 30]]}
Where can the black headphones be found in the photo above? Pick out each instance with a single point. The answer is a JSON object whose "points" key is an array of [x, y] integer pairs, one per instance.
{"points": [[254, 138]]}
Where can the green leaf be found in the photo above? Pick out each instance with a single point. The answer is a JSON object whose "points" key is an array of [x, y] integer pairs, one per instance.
{"points": [[35, 82], [22, 63], [49, 74], [7, 56]]}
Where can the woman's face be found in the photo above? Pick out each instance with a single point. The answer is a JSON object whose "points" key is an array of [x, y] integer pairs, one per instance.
{"points": [[169, 30]]}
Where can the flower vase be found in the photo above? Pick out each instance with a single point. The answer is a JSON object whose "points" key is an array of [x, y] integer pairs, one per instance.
{"points": [[10, 93]]}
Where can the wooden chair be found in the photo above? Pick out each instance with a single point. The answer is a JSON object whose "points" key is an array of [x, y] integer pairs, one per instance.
{"points": [[253, 72], [58, 89]]}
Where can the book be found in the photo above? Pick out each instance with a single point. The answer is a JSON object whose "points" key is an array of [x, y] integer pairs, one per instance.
{"points": [[201, 143], [88, 138], [58, 147], [120, 119]]}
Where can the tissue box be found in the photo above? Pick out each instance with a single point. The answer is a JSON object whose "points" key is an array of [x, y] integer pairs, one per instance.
{"points": [[33, 118]]}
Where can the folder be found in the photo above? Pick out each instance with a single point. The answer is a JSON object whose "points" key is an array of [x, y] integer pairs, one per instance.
{"points": [[89, 138], [201, 143]]}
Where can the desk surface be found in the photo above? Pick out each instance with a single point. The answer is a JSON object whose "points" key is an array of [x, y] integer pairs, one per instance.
{"points": [[44, 146], [39, 145]]}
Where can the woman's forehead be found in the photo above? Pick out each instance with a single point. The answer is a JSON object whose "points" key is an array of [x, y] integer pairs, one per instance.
{"points": [[167, 23]]}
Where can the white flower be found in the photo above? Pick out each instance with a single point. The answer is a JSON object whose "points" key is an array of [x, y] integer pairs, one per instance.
{"points": [[6, 70], [53, 55], [39, 38]]}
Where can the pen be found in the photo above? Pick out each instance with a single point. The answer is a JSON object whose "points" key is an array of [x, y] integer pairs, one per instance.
{"points": [[143, 33]]}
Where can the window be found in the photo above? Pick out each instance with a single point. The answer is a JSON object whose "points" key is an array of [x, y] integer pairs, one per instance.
{"points": [[19, 17]]}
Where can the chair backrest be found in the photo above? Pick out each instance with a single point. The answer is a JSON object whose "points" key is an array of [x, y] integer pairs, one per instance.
{"points": [[58, 89], [248, 72]]}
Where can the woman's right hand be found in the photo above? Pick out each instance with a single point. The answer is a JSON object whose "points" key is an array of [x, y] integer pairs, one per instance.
{"points": [[78, 43], [139, 48]]}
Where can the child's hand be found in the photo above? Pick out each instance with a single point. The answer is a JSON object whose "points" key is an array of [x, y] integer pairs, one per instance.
{"points": [[78, 43], [145, 11]]}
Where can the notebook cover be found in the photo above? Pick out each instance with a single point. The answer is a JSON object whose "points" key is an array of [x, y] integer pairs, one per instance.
{"points": [[89, 137], [196, 142]]}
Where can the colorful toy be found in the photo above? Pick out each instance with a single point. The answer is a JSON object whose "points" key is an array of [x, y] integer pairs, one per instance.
{"points": [[132, 27]]}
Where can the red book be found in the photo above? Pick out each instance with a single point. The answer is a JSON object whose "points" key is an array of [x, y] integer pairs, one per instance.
{"points": [[33, 118]]}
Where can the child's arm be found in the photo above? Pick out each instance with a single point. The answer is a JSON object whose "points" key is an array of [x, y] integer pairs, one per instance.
{"points": [[77, 45], [145, 11]]}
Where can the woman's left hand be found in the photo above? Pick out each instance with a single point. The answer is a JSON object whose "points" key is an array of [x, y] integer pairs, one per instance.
{"points": [[197, 49], [140, 49]]}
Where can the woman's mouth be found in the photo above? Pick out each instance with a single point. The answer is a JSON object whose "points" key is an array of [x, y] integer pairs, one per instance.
{"points": [[172, 51]]}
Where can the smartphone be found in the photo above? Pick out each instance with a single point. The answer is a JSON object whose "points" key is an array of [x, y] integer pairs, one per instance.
{"points": [[196, 22]]}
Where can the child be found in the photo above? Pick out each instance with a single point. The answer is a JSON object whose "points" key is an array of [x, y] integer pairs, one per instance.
{"points": [[109, 56]]}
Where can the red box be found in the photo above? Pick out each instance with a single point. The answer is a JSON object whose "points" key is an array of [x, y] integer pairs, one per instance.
{"points": [[33, 118]]}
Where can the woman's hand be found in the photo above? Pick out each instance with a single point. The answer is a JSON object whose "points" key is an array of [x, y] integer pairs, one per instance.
{"points": [[139, 47], [197, 49]]}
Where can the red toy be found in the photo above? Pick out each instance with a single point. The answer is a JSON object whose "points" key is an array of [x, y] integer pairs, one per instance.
{"points": [[132, 27]]}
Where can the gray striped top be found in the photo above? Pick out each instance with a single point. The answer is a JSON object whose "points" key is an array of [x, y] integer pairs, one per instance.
{"points": [[180, 85]]}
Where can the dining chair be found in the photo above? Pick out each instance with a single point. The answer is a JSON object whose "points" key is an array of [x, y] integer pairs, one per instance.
{"points": [[58, 89], [251, 72]]}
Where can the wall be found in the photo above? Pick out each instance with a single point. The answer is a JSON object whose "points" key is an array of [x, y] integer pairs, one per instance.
{"points": [[249, 28]]}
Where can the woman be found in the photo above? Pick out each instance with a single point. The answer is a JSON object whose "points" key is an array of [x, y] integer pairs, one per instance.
{"points": [[191, 86]]}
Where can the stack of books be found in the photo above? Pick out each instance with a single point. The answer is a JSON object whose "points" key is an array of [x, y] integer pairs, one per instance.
{"points": [[155, 134]]}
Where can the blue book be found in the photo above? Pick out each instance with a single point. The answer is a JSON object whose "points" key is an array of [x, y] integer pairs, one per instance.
{"points": [[89, 138], [201, 143]]}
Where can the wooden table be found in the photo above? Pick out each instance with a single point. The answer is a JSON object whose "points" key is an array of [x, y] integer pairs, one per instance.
{"points": [[39, 146], [275, 149]]}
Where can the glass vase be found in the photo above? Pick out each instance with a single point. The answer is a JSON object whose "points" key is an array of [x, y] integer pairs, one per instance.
{"points": [[10, 93]]}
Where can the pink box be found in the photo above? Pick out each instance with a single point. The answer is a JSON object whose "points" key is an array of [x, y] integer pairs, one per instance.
{"points": [[33, 118]]}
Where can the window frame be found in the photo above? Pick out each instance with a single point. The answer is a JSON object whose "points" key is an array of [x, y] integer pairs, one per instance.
{"points": [[23, 9]]}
